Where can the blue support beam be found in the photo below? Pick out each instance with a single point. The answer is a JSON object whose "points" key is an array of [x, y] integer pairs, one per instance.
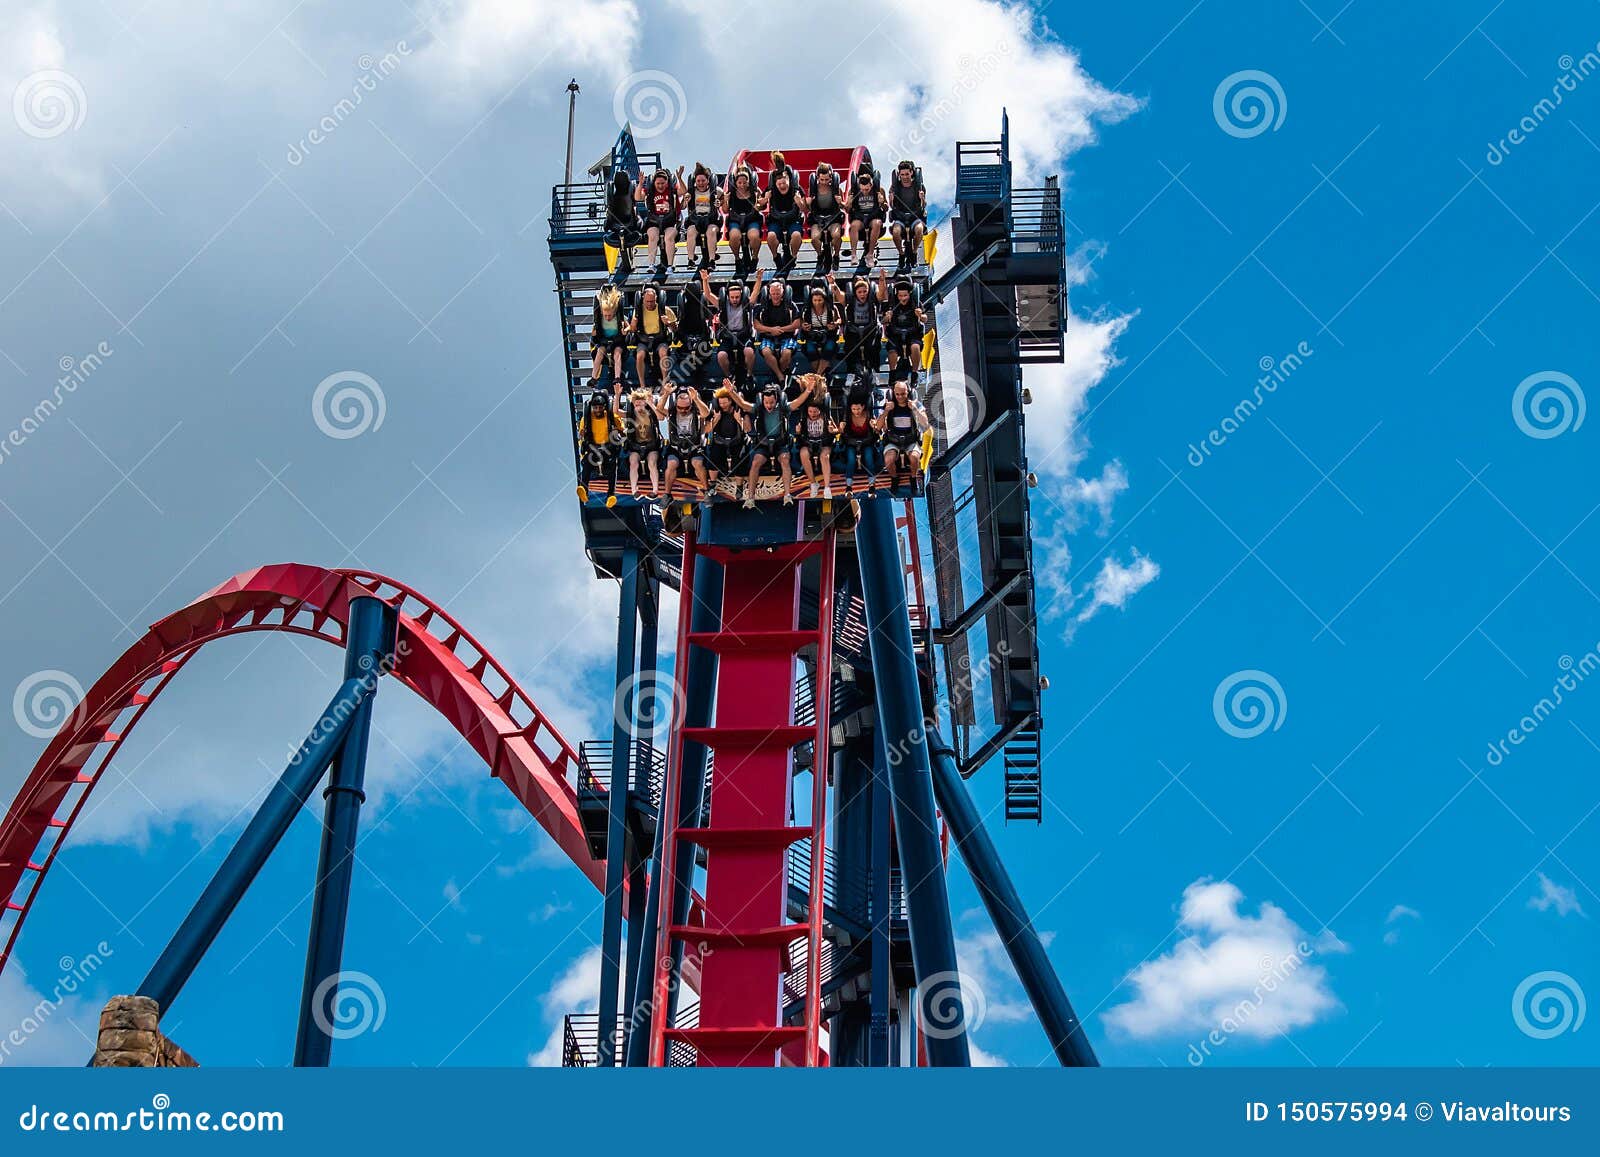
{"points": [[700, 685], [882, 992], [1005, 908], [368, 654], [644, 707], [261, 835], [622, 705], [900, 722]]}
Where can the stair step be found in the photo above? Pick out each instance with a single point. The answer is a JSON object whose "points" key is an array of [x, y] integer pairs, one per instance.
{"points": [[726, 642], [748, 738], [713, 838], [778, 936]]}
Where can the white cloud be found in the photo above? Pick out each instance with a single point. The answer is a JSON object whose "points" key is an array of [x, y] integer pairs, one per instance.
{"points": [[1553, 895], [1397, 913], [36, 1029], [1251, 974], [577, 989], [1117, 582]]}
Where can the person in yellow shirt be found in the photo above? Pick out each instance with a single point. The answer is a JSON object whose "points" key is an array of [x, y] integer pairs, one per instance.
{"points": [[653, 328], [598, 436]]}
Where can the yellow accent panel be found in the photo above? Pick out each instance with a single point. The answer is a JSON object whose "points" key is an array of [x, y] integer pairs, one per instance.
{"points": [[930, 346], [611, 258], [930, 246]]}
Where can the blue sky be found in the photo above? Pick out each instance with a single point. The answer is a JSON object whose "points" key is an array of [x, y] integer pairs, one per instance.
{"points": [[1379, 535]]}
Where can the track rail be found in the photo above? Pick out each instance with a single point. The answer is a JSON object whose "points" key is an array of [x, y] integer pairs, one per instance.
{"points": [[435, 656]]}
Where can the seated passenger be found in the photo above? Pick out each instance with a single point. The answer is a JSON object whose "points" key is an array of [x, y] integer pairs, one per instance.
{"points": [[643, 439], [683, 428], [867, 207], [741, 201], [727, 434], [652, 329], [814, 434], [904, 326], [777, 322], [608, 336], [736, 354], [622, 220], [662, 195], [697, 352], [785, 219], [597, 446], [769, 440], [908, 214], [703, 215], [858, 438], [826, 218], [861, 317], [903, 420], [819, 331]]}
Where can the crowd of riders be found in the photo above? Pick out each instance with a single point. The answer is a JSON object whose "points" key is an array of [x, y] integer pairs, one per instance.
{"points": [[675, 394]]}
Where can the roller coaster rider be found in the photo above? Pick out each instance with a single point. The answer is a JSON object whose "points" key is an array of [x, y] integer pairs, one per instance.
{"points": [[683, 431], [696, 349], [608, 336], [814, 434], [622, 220], [770, 439], [858, 437], [702, 214], [741, 202], [653, 328], [736, 354], [826, 217], [908, 214], [727, 434], [862, 321], [904, 326], [642, 439], [785, 219], [903, 420], [777, 322], [663, 196], [599, 434], [819, 330], [867, 207]]}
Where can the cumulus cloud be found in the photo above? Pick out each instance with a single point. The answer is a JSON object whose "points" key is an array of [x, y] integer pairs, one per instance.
{"points": [[1244, 974], [1400, 912], [56, 1028], [577, 989], [1555, 896], [1118, 582], [480, 50]]}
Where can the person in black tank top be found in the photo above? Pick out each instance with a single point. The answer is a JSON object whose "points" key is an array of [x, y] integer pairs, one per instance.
{"points": [[867, 208], [903, 420], [908, 214], [741, 202], [862, 320], [727, 434], [826, 218], [703, 216], [683, 429], [904, 326], [785, 210]]}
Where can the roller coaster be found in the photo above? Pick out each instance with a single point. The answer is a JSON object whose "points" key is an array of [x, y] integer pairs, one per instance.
{"points": [[770, 819]]}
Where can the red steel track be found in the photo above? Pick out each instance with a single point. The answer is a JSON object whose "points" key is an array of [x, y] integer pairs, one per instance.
{"points": [[435, 656]]}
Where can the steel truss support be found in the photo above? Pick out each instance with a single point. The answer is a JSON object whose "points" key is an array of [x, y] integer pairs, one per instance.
{"points": [[369, 652], [622, 704], [1005, 908], [900, 722], [261, 835]]}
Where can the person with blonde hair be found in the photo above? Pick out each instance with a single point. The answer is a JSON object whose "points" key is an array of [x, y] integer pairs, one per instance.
{"points": [[609, 335], [642, 442], [727, 433]]}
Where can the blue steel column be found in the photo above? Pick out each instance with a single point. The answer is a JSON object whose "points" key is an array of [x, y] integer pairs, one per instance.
{"points": [[900, 722], [645, 710], [1005, 908], [882, 993], [700, 686], [261, 835], [369, 652], [622, 702]]}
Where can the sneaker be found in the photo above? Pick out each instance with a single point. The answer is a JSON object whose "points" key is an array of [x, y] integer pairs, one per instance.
{"points": [[812, 492], [749, 503], [583, 493], [788, 499], [827, 492]]}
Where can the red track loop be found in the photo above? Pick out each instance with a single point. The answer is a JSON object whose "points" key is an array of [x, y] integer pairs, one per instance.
{"points": [[435, 657]]}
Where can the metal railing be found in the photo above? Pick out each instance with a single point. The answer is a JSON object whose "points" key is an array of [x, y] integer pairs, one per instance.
{"points": [[580, 1039], [1036, 221]]}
